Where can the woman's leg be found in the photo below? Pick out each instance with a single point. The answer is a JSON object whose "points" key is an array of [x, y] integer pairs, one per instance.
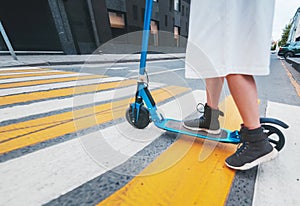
{"points": [[255, 148], [213, 91], [209, 122], [244, 92]]}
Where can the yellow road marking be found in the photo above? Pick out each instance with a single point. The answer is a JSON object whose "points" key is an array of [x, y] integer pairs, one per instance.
{"points": [[27, 133], [178, 177], [48, 81], [33, 75], [19, 98], [22, 70]]}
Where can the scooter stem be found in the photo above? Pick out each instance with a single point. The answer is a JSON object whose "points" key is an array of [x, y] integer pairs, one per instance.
{"points": [[145, 39]]}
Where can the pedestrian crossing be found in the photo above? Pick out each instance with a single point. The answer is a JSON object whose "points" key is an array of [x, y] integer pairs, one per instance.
{"points": [[33, 96], [34, 82], [46, 87], [64, 136], [37, 105]]}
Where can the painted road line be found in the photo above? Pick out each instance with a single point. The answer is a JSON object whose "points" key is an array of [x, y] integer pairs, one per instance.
{"points": [[38, 177], [21, 111], [64, 92], [104, 185], [70, 159], [48, 81], [26, 72], [60, 85], [116, 68], [180, 176], [33, 74], [27, 79], [161, 72], [31, 132], [122, 141], [278, 181], [21, 70]]}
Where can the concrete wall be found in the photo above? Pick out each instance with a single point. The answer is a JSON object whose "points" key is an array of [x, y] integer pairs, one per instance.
{"points": [[117, 5], [101, 20], [134, 21], [184, 20], [81, 26], [166, 16], [29, 25]]}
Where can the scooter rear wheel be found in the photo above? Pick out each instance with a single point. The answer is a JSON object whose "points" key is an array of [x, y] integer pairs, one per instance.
{"points": [[143, 119], [275, 136]]}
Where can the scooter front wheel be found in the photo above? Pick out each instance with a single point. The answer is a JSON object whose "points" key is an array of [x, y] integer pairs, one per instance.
{"points": [[139, 121]]}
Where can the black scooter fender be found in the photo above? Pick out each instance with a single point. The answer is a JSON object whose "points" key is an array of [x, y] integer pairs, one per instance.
{"points": [[264, 120]]}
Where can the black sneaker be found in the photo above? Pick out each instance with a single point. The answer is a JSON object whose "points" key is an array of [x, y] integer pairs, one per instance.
{"points": [[255, 149], [209, 122]]}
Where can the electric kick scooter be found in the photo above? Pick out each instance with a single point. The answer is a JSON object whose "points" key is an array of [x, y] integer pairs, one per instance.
{"points": [[144, 110]]}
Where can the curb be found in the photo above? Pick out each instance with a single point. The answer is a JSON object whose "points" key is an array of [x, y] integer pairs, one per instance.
{"points": [[294, 62], [58, 63], [110, 61]]}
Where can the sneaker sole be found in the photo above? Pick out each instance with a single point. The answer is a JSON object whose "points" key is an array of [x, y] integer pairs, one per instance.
{"points": [[202, 129], [272, 155]]}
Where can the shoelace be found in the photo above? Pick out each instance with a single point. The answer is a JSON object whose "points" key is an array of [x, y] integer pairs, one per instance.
{"points": [[241, 148], [200, 108]]}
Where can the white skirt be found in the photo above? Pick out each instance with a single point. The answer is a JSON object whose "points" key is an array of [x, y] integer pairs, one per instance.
{"points": [[229, 37]]}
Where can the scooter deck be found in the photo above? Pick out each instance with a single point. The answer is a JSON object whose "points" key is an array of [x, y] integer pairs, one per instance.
{"points": [[176, 126]]}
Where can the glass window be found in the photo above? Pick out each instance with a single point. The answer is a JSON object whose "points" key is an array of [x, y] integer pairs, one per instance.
{"points": [[117, 20], [154, 31], [176, 35], [143, 14], [177, 5], [135, 12], [176, 32], [171, 5], [166, 20], [154, 27]]}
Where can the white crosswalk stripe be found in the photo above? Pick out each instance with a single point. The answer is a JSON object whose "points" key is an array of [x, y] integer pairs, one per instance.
{"points": [[24, 79], [44, 87], [21, 111], [35, 72]]}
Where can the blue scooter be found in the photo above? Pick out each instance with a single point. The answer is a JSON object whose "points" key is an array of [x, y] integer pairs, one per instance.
{"points": [[144, 110]]}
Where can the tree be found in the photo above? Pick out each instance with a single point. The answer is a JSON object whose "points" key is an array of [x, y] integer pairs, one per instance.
{"points": [[285, 35]]}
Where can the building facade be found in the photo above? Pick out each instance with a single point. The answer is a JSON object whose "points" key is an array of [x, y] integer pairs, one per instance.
{"points": [[81, 26], [294, 34]]}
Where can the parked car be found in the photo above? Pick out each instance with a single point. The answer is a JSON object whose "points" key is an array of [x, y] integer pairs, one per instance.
{"points": [[290, 49]]}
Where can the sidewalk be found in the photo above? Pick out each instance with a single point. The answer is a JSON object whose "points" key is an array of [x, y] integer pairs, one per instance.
{"points": [[60, 59], [295, 61]]}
